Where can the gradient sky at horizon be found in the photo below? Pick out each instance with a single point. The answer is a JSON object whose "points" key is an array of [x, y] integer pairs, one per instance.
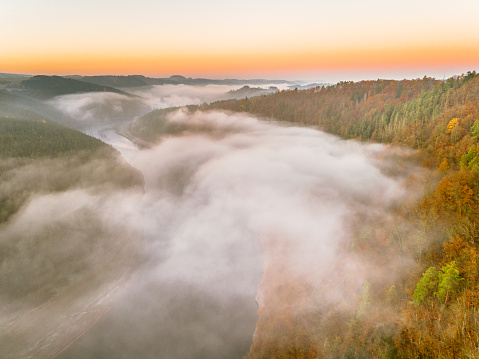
{"points": [[301, 39]]}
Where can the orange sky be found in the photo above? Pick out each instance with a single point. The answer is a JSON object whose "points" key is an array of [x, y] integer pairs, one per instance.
{"points": [[304, 38], [268, 63]]}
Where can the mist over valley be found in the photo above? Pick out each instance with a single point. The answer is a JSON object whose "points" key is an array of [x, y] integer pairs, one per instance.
{"points": [[195, 218]]}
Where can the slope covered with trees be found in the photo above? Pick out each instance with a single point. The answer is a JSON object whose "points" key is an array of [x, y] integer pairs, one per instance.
{"points": [[40, 160], [430, 311], [440, 314]]}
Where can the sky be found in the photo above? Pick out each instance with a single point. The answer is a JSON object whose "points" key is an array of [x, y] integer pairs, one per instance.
{"points": [[300, 39]]}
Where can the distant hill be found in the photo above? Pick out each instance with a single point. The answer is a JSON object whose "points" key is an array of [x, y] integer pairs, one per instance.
{"points": [[139, 80], [45, 87], [439, 119], [116, 81]]}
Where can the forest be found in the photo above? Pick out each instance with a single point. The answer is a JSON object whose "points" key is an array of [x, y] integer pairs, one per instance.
{"points": [[432, 309]]}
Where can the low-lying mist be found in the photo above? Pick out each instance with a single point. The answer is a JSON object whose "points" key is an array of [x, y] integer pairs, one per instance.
{"points": [[163, 96], [94, 111], [236, 213], [238, 210], [65, 246]]}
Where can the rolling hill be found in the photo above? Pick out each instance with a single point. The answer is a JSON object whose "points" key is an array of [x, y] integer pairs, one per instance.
{"points": [[45, 87]]}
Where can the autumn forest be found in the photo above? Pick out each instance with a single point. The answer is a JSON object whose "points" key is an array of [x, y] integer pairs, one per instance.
{"points": [[433, 311]]}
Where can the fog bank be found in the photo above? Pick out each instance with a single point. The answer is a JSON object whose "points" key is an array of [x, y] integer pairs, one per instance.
{"points": [[244, 223], [231, 202]]}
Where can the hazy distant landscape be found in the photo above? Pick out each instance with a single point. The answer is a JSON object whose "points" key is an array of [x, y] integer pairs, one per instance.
{"points": [[177, 221]]}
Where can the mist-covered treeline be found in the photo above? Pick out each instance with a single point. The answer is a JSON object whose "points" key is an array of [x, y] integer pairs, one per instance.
{"points": [[432, 310]]}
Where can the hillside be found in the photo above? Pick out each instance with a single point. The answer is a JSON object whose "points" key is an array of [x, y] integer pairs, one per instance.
{"points": [[438, 315], [38, 159], [26, 144], [37, 139], [56, 243], [430, 310], [45, 87]]}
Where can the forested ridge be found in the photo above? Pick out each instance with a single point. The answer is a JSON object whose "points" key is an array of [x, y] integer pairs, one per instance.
{"points": [[42, 159], [439, 317], [432, 309]]}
